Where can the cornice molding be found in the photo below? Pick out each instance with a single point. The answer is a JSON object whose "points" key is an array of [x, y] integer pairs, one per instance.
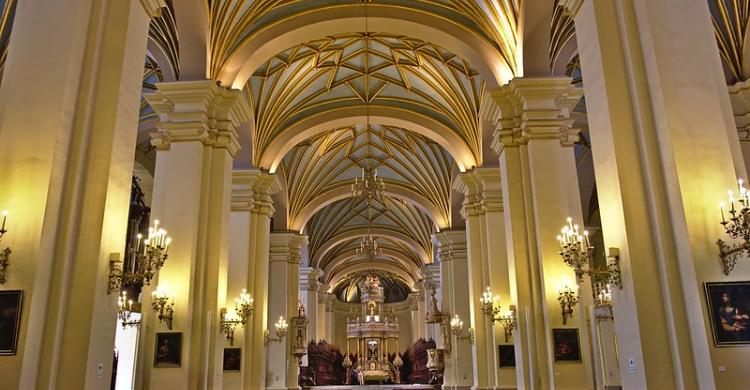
{"points": [[252, 191], [199, 111], [153, 7]]}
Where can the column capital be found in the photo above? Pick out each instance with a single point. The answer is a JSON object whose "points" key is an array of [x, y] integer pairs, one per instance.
{"points": [[197, 111], [571, 7], [739, 95], [535, 108], [309, 278], [451, 244], [482, 189], [287, 247], [153, 7], [414, 301], [252, 191]]}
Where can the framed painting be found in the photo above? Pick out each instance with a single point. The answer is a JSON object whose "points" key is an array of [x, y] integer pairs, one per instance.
{"points": [[11, 302], [729, 312], [567, 345], [506, 356], [168, 351], [232, 359]]}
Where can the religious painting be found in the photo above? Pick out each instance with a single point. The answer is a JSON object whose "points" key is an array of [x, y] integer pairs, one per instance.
{"points": [[168, 351], [567, 345], [729, 312], [10, 320], [506, 355], [232, 359]]}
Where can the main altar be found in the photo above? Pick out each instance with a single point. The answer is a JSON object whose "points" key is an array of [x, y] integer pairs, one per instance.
{"points": [[375, 355]]}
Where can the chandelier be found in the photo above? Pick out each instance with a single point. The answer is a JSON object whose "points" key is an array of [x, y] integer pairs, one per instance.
{"points": [[575, 249], [368, 187], [737, 227], [125, 311], [368, 247], [507, 320]]}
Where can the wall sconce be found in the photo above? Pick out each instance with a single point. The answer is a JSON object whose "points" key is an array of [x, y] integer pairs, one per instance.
{"points": [[5, 253], [736, 227], [280, 332], [603, 302], [577, 252], [507, 320], [161, 305], [457, 329], [125, 311], [568, 300], [243, 309], [149, 256]]}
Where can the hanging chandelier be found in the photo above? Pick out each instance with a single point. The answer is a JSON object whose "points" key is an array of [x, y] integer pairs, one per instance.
{"points": [[369, 187], [368, 247]]}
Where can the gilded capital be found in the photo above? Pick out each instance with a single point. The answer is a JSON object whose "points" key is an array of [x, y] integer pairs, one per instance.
{"points": [[153, 7], [252, 191]]}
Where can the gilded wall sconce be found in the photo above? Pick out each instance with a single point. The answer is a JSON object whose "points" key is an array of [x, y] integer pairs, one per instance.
{"points": [[5, 253], [435, 316], [125, 311], [457, 329], [577, 252], [243, 309], [737, 227], [161, 305], [568, 299], [279, 333], [507, 320], [149, 255]]}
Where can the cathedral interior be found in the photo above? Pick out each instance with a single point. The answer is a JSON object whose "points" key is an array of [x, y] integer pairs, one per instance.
{"points": [[383, 194]]}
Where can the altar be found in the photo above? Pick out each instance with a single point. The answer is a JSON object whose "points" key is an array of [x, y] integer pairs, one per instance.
{"points": [[374, 387], [376, 357]]}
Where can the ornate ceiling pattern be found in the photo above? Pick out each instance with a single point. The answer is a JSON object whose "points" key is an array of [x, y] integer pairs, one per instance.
{"points": [[322, 169], [360, 69], [6, 25], [731, 19], [163, 33], [335, 231], [562, 30], [233, 22]]}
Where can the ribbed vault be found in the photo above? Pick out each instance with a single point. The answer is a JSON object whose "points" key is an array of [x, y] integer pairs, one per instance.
{"points": [[393, 76]]}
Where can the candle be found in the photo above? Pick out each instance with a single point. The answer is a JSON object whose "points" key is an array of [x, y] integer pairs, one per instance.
{"points": [[731, 202], [721, 206], [5, 217]]}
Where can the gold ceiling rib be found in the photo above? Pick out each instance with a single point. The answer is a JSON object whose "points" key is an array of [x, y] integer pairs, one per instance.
{"points": [[731, 19], [353, 69], [6, 25], [562, 30], [331, 160], [233, 22], [344, 219], [163, 32]]}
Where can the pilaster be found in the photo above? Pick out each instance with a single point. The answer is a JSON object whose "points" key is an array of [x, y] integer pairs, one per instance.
{"points": [[540, 190]]}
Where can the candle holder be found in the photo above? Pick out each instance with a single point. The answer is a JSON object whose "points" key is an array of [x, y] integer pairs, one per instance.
{"points": [[457, 329], [148, 256], [279, 333], [494, 312], [5, 253], [435, 316], [577, 252], [737, 227], [125, 311], [369, 187], [568, 299], [243, 309], [161, 305], [603, 302]]}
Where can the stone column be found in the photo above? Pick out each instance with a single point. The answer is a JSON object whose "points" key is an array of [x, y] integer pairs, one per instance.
{"points": [[69, 100], [540, 191], [416, 322], [454, 269], [665, 152], [285, 256], [322, 316], [310, 287], [254, 189], [192, 195]]}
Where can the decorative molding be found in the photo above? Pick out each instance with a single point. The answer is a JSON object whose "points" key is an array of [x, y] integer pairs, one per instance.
{"points": [[482, 189], [153, 7], [571, 7], [199, 111], [536, 109], [739, 95], [252, 191], [287, 247]]}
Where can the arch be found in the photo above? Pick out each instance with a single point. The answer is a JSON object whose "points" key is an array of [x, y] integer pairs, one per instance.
{"points": [[388, 255], [326, 21], [351, 267], [379, 231], [385, 115], [343, 191]]}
